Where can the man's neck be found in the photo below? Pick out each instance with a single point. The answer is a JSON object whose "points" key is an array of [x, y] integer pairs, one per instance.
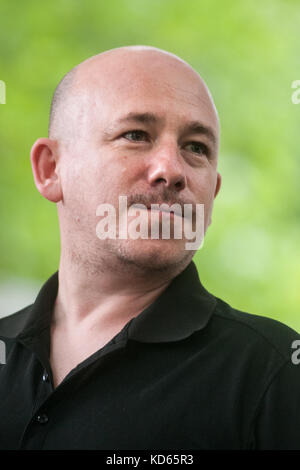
{"points": [[101, 300], [93, 306]]}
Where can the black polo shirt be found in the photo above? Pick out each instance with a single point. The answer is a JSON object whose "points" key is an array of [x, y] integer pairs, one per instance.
{"points": [[189, 372]]}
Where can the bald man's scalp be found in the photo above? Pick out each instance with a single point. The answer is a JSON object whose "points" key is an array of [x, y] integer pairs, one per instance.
{"points": [[58, 103], [64, 107]]}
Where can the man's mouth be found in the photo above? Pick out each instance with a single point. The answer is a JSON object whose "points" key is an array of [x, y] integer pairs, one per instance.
{"points": [[161, 210]]}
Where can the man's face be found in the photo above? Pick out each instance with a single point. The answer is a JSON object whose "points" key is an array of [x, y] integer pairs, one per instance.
{"points": [[144, 127]]}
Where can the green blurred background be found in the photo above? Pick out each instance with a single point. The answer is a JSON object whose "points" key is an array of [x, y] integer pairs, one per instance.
{"points": [[248, 53]]}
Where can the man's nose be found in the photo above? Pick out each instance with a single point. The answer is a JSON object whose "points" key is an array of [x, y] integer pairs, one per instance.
{"points": [[167, 168]]}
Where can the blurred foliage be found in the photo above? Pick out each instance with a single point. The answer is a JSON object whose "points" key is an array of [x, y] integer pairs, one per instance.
{"points": [[248, 54]]}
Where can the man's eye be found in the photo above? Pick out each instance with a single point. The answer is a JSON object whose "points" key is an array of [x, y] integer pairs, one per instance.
{"points": [[197, 147], [135, 136]]}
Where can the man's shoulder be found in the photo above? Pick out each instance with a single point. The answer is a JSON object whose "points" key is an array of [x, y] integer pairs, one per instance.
{"points": [[258, 330], [12, 325], [34, 315]]}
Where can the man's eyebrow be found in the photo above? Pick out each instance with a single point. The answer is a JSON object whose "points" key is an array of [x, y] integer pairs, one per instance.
{"points": [[193, 127], [132, 117], [196, 127], [143, 118]]}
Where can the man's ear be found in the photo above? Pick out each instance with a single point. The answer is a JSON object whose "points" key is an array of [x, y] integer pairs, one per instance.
{"points": [[217, 189], [43, 158], [218, 185]]}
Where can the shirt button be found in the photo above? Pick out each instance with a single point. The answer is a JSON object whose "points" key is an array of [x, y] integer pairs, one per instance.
{"points": [[42, 419], [45, 377]]}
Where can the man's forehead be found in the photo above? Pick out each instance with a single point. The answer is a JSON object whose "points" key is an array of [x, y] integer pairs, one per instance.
{"points": [[138, 69], [130, 56], [128, 80]]}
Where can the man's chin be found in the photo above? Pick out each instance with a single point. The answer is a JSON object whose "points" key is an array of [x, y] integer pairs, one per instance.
{"points": [[159, 255]]}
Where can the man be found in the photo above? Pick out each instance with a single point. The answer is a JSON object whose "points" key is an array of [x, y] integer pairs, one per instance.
{"points": [[123, 347]]}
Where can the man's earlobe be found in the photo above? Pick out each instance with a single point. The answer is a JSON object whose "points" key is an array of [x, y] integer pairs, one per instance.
{"points": [[217, 189], [218, 184], [43, 158]]}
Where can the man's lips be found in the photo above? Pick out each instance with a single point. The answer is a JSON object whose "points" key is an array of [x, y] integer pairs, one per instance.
{"points": [[171, 212]]}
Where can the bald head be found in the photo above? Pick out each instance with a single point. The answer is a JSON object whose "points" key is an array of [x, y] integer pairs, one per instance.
{"points": [[133, 121], [59, 101], [125, 64]]}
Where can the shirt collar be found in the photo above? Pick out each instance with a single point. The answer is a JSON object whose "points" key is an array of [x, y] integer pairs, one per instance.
{"points": [[183, 308]]}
